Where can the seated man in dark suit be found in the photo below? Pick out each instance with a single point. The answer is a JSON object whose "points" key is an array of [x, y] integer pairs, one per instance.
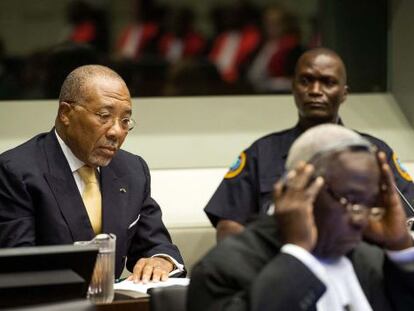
{"points": [[74, 182], [338, 239], [319, 88]]}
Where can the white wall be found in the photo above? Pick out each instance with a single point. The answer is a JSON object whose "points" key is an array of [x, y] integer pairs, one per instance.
{"points": [[183, 193], [194, 132]]}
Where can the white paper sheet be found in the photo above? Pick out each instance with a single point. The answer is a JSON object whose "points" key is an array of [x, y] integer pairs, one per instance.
{"points": [[143, 288]]}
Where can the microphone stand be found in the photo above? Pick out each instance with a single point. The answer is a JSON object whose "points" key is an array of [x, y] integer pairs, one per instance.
{"points": [[410, 221]]}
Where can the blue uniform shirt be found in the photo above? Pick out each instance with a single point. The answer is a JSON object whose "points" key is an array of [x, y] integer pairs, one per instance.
{"points": [[246, 190]]}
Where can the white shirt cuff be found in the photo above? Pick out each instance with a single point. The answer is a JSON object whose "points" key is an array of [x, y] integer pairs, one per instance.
{"points": [[403, 257], [178, 267], [307, 259]]}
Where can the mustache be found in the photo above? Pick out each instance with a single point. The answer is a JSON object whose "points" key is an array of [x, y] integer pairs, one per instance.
{"points": [[110, 143]]}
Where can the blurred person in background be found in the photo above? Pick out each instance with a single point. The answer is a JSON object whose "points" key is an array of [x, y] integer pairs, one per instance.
{"points": [[140, 37], [232, 48], [89, 25], [181, 40], [273, 65]]}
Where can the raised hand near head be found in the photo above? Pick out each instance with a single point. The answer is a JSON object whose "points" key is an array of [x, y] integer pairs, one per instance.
{"points": [[294, 197]]}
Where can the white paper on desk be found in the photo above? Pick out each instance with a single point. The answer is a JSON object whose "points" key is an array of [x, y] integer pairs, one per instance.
{"points": [[143, 288]]}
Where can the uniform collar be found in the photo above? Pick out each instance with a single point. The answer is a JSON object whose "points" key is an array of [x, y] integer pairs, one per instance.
{"points": [[297, 131]]}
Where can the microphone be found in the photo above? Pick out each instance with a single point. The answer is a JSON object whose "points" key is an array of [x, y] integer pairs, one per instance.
{"points": [[410, 221]]}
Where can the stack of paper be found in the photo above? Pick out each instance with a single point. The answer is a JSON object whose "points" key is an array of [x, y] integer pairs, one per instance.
{"points": [[143, 288]]}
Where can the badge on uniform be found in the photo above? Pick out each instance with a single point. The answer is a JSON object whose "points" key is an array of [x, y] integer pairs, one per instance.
{"points": [[400, 168], [237, 166]]}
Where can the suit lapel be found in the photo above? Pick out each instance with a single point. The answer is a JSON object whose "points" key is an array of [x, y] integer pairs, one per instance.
{"points": [[63, 186], [114, 191], [368, 261]]}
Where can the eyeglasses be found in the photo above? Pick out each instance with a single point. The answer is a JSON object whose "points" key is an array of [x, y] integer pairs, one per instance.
{"points": [[107, 118], [357, 211]]}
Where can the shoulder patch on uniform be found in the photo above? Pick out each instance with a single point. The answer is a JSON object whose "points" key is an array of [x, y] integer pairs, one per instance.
{"points": [[237, 166], [400, 168]]}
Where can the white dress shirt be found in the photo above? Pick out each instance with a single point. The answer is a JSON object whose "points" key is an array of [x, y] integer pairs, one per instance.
{"points": [[343, 288]]}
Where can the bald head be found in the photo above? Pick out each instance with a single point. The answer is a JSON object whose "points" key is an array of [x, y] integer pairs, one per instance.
{"points": [[74, 88]]}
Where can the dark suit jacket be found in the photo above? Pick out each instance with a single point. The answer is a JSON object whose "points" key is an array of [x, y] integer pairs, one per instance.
{"points": [[248, 272], [40, 203]]}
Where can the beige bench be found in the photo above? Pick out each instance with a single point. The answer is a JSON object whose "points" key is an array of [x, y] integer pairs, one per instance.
{"points": [[193, 242], [182, 195]]}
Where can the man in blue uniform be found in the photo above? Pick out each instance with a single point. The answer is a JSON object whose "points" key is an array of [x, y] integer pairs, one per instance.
{"points": [[319, 88]]}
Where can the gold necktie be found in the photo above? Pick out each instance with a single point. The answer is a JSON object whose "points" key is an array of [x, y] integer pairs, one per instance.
{"points": [[92, 197]]}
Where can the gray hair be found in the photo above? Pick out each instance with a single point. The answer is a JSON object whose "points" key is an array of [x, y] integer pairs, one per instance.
{"points": [[324, 139], [74, 87]]}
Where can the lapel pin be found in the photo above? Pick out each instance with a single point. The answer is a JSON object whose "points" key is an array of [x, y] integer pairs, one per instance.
{"points": [[122, 190]]}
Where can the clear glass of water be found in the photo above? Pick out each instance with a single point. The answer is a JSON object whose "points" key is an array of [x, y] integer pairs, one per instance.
{"points": [[101, 288]]}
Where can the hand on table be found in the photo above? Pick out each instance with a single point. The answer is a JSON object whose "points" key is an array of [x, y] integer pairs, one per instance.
{"points": [[153, 269]]}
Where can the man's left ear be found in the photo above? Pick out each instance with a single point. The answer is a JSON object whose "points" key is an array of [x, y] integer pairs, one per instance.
{"points": [[63, 113], [345, 94]]}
